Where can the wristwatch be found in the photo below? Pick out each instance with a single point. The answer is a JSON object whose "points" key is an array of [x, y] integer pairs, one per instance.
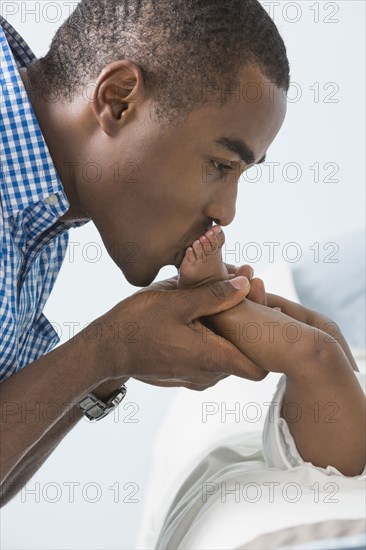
{"points": [[94, 408]]}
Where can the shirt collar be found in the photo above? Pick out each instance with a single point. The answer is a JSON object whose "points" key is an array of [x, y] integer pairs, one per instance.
{"points": [[28, 172]]}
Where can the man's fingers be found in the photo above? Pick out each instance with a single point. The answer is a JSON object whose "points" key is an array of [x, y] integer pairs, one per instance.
{"points": [[235, 363], [212, 298], [223, 357], [183, 384], [231, 268], [167, 284], [202, 387], [245, 270], [257, 292]]}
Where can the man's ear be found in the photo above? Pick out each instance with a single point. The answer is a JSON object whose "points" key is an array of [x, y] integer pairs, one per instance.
{"points": [[116, 91]]}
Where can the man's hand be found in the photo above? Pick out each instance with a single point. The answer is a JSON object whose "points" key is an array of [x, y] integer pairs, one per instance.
{"points": [[256, 294], [171, 284], [155, 336]]}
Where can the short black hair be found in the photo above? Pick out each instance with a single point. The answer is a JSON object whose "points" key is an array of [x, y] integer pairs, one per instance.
{"points": [[181, 47]]}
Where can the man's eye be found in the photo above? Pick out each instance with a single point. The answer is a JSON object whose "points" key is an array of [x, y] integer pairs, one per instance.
{"points": [[222, 168]]}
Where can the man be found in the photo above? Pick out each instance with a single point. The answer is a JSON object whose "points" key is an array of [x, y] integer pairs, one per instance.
{"points": [[127, 121]]}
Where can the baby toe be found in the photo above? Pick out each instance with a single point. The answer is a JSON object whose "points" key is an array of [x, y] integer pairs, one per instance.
{"points": [[206, 245], [216, 238], [220, 236], [190, 255], [198, 249]]}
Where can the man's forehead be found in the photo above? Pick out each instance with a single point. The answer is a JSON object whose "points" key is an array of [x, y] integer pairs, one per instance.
{"points": [[247, 128], [243, 129]]}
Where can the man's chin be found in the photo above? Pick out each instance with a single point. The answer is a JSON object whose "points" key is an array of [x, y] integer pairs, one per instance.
{"points": [[138, 276]]}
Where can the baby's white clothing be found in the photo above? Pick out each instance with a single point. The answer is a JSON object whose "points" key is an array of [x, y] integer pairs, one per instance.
{"points": [[235, 490]]}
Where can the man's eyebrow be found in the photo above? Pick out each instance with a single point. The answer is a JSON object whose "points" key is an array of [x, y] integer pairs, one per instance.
{"points": [[238, 146]]}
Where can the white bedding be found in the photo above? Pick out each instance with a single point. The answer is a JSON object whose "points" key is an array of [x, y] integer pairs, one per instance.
{"points": [[203, 450]]}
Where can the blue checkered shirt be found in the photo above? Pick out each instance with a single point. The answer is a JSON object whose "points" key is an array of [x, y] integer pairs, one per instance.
{"points": [[33, 239]]}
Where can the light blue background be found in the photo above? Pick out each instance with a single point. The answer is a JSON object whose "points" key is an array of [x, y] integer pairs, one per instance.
{"points": [[305, 212]]}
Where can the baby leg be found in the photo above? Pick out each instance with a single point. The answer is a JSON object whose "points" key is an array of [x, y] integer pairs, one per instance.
{"points": [[320, 383]]}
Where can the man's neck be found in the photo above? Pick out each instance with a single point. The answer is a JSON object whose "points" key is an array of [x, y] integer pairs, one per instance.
{"points": [[53, 120]]}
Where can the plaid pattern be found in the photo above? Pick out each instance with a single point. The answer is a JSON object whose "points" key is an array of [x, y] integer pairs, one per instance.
{"points": [[33, 241]]}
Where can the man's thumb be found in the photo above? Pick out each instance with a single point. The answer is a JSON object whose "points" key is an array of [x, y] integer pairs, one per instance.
{"points": [[216, 297]]}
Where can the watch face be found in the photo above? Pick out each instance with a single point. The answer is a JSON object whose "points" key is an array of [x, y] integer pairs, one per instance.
{"points": [[97, 415], [95, 409], [95, 412]]}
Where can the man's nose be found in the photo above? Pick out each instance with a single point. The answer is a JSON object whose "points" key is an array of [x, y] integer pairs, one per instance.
{"points": [[222, 207]]}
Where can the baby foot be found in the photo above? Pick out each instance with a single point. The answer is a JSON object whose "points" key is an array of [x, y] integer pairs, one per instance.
{"points": [[202, 262]]}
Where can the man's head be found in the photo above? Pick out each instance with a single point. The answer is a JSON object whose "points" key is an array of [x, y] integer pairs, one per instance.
{"points": [[152, 96]]}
